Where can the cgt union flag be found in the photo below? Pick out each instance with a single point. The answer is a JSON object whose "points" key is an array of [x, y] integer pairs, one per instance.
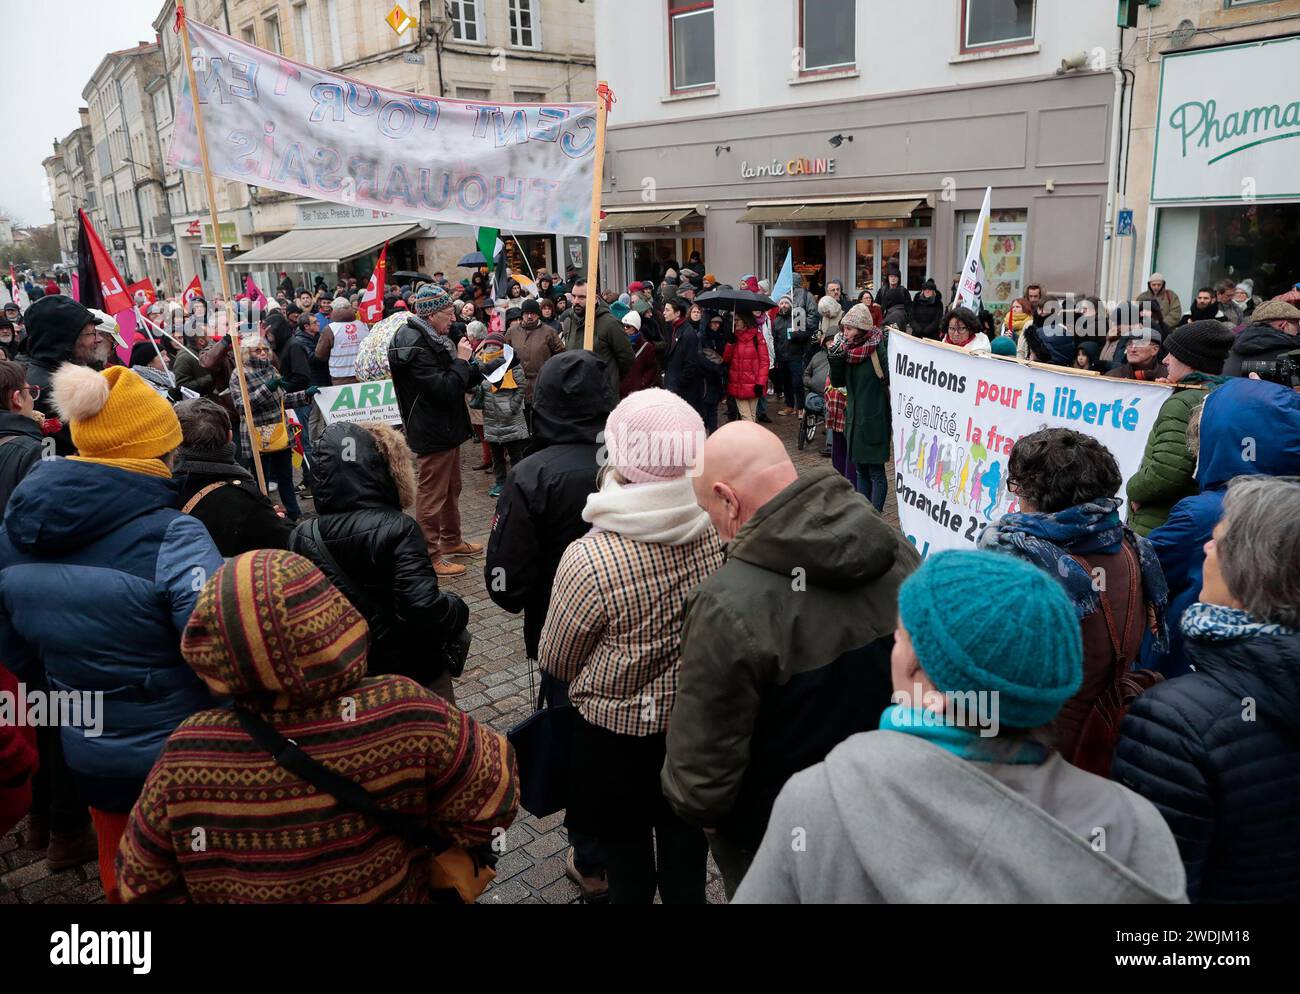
{"points": [[372, 301], [192, 292]]}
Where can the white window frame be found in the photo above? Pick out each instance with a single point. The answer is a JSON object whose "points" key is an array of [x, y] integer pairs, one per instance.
{"points": [[533, 9], [274, 36], [458, 20], [336, 37], [302, 24], [992, 46], [673, 18], [837, 67]]}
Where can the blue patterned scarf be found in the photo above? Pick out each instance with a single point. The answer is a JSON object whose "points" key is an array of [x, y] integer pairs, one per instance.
{"points": [[1050, 540], [1217, 623]]}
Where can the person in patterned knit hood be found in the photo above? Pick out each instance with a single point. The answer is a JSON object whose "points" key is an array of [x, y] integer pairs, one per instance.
{"points": [[270, 631]]}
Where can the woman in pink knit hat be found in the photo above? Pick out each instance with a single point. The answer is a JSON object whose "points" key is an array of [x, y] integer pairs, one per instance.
{"points": [[614, 634]]}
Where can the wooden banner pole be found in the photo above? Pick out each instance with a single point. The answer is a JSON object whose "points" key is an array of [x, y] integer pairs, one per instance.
{"points": [[232, 323], [604, 97]]}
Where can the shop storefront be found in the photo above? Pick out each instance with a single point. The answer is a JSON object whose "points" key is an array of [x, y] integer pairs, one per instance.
{"points": [[332, 242], [853, 189], [1225, 192]]}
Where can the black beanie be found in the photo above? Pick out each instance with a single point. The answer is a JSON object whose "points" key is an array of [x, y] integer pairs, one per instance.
{"points": [[1203, 345], [143, 353], [530, 306]]}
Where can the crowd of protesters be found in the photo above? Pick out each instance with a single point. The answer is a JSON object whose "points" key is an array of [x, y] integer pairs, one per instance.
{"points": [[752, 658]]}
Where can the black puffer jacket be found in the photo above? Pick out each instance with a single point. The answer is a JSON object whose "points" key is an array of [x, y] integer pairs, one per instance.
{"points": [[431, 383], [540, 510], [1258, 342], [927, 316], [1228, 787], [20, 450], [381, 550]]}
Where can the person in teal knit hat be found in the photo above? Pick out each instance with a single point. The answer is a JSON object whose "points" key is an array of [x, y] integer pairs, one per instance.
{"points": [[959, 797]]}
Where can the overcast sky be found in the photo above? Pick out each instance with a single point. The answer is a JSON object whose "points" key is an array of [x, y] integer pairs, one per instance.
{"points": [[50, 50]]}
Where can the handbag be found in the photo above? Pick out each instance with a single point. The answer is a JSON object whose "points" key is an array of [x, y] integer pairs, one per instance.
{"points": [[1095, 747], [456, 874], [452, 654], [271, 438], [543, 743]]}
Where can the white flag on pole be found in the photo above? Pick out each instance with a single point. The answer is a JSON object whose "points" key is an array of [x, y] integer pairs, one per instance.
{"points": [[970, 288]]}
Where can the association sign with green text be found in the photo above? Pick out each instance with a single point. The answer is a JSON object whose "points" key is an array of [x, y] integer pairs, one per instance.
{"points": [[360, 403]]}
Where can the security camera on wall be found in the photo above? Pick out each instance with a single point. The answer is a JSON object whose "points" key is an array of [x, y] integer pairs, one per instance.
{"points": [[1076, 61]]}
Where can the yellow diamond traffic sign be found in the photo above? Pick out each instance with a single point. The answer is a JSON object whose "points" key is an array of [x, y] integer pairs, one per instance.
{"points": [[398, 20]]}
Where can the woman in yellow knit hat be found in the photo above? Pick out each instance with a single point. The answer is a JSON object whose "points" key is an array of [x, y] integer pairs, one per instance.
{"points": [[99, 571]]}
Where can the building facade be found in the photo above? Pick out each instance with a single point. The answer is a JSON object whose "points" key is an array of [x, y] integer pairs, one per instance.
{"points": [[859, 142], [58, 189], [70, 185], [483, 50], [128, 161], [1213, 171]]}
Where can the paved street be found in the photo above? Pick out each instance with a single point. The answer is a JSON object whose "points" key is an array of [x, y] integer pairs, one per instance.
{"points": [[497, 688]]}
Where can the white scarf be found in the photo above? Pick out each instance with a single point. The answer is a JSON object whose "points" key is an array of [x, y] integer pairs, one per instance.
{"points": [[657, 513]]}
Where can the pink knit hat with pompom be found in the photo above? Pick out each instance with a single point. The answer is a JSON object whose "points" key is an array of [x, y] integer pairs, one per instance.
{"points": [[654, 436]]}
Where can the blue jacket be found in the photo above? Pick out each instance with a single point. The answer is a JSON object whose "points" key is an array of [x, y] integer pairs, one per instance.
{"points": [[1247, 427], [99, 571]]}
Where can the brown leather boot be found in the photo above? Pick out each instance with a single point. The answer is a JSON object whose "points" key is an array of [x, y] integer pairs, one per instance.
{"points": [[444, 567], [464, 549], [71, 849]]}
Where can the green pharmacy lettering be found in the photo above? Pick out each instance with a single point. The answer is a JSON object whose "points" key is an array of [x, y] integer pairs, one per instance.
{"points": [[1200, 125]]}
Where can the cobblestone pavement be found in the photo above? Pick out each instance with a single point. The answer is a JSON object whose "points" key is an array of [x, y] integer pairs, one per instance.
{"points": [[497, 688]]}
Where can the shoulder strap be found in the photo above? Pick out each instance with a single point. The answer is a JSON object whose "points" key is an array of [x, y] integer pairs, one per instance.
{"points": [[7, 439], [875, 364], [1118, 661], [311, 528], [193, 502], [347, 792]]}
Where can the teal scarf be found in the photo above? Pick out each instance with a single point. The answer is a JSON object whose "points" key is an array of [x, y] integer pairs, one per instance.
{"points": [[966, 743]]}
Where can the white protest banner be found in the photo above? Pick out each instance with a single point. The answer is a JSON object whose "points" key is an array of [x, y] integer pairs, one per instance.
{"points": [[280, 124], [360, 403], [956, 417], [970, 288]]}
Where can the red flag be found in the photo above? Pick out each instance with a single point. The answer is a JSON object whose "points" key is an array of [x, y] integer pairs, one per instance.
{"points": [[194, 290], [146, 287], [372, 301], [254, 294], [100, 284]]}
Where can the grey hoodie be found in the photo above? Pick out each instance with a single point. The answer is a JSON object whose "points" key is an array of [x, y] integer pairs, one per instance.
{"points": [[890, 818]]}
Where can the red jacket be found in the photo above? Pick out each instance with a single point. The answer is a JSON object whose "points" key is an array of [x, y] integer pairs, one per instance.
{"points": [[746, 360], [17, 762]]}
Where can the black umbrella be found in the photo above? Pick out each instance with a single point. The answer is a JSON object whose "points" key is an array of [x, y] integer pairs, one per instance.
{"points": [[405, 276], [473, 261], [734, 300]]}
